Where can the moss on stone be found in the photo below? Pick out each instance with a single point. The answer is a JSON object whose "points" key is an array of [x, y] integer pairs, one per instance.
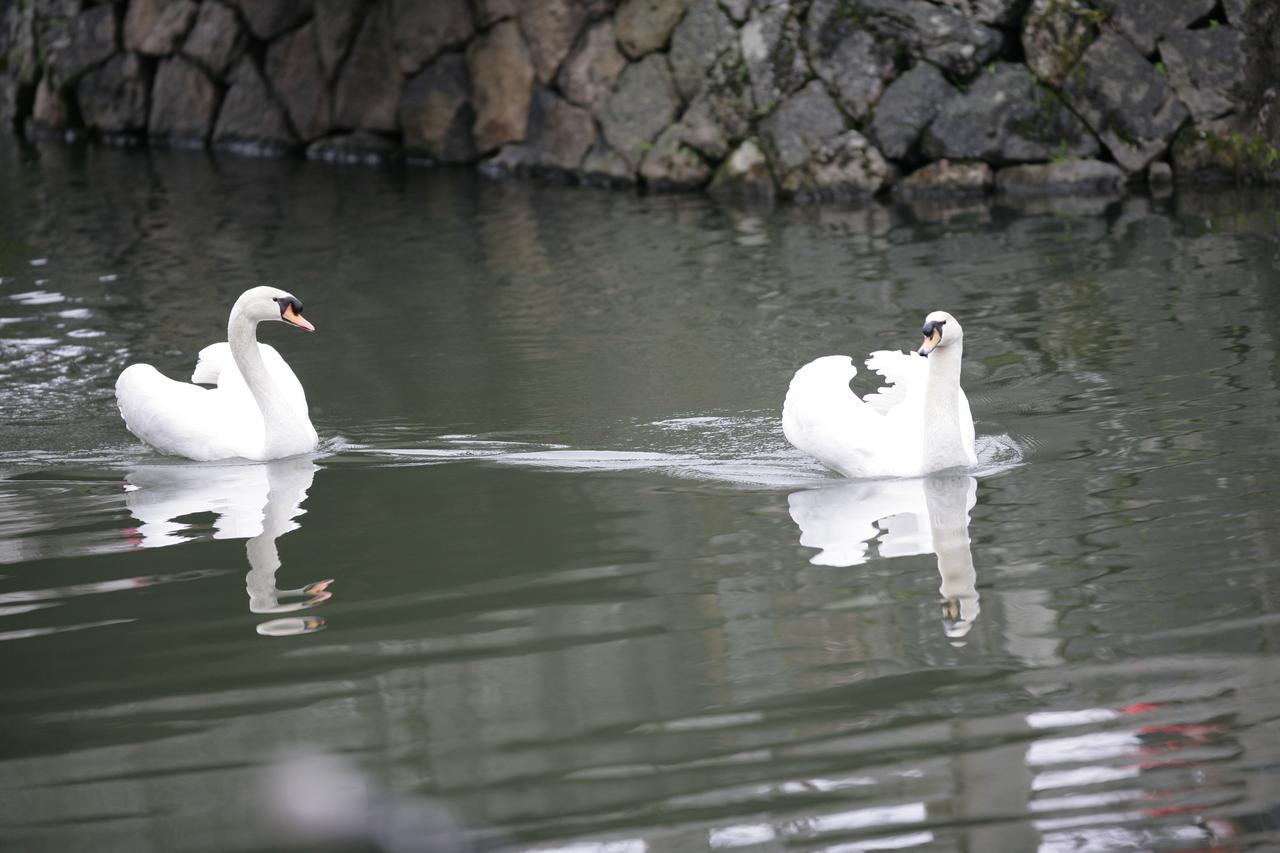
{"points": [[1248, 158]]}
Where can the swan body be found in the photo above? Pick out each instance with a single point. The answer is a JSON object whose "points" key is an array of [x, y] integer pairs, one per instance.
{"points": [[257, 409], [917, 424]]}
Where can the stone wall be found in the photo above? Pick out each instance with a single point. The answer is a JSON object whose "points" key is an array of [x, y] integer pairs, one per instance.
{"points": [[810, 99]]}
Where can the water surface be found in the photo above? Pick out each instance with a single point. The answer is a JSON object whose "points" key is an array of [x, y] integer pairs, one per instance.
{"points": [[557, 582]]}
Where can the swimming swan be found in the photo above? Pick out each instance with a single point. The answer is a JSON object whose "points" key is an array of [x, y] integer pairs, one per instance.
{"points": [[257, 411], [917, 424]]}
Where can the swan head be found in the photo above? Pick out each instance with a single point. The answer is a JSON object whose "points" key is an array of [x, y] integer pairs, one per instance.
{"points": [[940, 329], [258, 304]]}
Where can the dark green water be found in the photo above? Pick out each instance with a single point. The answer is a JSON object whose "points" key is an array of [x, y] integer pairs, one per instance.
{"points": [[557, 581]]}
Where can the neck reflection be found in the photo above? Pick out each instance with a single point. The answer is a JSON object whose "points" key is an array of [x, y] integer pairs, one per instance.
{"points": [[903, 517], [258, 501]]}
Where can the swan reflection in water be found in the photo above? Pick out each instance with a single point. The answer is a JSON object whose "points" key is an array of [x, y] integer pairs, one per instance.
{"points": [[919, 516], [257, 501]]}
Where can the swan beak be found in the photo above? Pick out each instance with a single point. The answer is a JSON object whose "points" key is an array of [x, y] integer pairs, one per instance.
{"points": [[930, 343], [291, 316]]}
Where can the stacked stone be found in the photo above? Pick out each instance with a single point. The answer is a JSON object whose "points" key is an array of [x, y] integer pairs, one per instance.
{"points": [[810, 99]]}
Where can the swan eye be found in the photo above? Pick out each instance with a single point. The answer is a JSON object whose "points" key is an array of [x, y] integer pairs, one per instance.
{"points": [[930, 326]]}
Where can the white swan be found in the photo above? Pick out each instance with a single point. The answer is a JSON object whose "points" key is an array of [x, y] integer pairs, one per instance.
{"points": [[918, 424], [257, 411]]}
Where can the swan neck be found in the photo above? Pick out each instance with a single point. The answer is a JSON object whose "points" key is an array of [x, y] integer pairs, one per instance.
{"points": [[242, 335], [944, 367], [942, 444]]}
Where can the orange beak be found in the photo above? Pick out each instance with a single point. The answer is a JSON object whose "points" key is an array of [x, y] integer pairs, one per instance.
{"points": [[291, 316]]}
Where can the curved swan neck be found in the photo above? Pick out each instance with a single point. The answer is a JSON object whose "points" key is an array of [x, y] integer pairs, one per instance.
{"points": [[242, 335], [944, 366], [942, 444]]}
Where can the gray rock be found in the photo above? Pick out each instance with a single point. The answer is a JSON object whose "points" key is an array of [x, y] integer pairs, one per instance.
{"points": [[644, 102], [945, 178], [1224, 150], [1144, 22], [644, 26], [250, 121], [1204, 155], [720, 115], [773, 56], [18, 48], [560, 133], [1055, 34], [698, 41], [270, 18], [550, 28], [360, 147], [1235, 10], [157, 27], [739, 10], [502, 79], [1006, 117], [1159, 175], [559, 136], [183, 103], [672, 165], [745, 174], [11, 96], [1125, 101], [293, 66], [113, 96], [1206, 68], [1065, 177], [800, 126], [50, 111], [436, 113], [491, 11], [72, 47], [848, 58], [603, 165], [367, 94], [337, 22], [996, 12], [588, 75], [945, 37], [216, 40], [423, 28], [907, 107], [844, 168], [514, 158]]}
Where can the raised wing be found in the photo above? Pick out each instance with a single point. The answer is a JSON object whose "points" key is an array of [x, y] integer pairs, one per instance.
{"points": [[906, 376], [210, 363]]}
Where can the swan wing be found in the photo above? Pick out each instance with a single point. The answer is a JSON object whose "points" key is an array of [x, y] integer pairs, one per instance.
{"points": [[204, 424], [968, 436], [210, 363], [825, 419], [906, 376]]}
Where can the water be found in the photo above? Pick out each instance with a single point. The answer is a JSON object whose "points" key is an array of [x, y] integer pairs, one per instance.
{"points": [[556, 581]]}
